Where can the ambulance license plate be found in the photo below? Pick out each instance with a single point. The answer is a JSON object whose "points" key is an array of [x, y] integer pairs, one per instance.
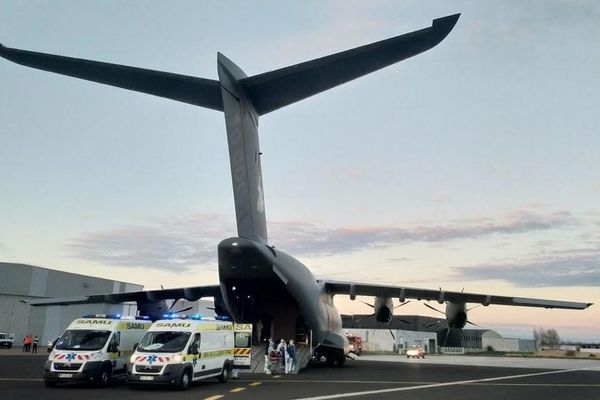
{"points": [[65, 375], [146, 378]]}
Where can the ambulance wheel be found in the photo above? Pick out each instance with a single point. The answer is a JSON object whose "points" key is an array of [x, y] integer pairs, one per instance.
{"points": [[50, 384], [225, 373], [185, 380], [104, 376]]}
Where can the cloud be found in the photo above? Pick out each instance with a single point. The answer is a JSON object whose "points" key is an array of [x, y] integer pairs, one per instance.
{"points": [[344, 24], [177, 244], [303, 238], [171, 243], [574, 267]]}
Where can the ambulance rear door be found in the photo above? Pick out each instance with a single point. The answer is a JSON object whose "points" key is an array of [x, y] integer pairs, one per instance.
{"points": [[242, 352]]}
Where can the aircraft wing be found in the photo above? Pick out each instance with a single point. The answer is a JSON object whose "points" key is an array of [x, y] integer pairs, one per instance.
{"points": [[361, 289], [188, 89], [150, 296]]}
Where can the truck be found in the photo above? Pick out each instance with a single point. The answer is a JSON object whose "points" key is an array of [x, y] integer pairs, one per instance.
{"points": [[94, 349], [7, 340], [180, 350]]}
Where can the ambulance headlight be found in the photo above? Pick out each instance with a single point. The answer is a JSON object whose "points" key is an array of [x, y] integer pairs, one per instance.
{"points": [[178, 358], [96, 356], [132, 359]]}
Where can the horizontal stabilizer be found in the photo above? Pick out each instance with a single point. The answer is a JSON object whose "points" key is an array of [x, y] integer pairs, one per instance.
{"points": [[149, 296], [187, 89], [279, 88]]}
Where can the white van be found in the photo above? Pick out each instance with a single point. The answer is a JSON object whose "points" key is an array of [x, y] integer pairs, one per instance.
{"points": [[7, 340], [181, 350], [94, 349]]}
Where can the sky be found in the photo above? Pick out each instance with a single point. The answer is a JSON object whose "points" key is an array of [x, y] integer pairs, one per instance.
{"points": [[473, 165]]}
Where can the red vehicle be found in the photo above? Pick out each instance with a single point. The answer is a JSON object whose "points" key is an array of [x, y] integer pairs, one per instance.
{"points": [[355, 343]]}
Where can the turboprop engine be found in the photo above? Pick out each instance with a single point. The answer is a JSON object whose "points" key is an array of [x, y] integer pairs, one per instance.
{"points": [[456, 315], [383, 309]]}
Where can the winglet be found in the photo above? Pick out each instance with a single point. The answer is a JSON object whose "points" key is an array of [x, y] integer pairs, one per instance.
{"points": [[444, 25]]}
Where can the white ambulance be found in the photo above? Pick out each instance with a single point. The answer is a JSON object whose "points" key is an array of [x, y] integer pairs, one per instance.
{"points": [[94, 349], [180, 350]]}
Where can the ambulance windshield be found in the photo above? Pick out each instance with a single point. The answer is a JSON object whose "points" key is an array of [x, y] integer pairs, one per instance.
{"points": [[80, 339], [164, 342]]}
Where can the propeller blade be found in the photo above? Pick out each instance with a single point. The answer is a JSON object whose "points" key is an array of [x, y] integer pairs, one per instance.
{"points": [[402, 304], [370, 305], [478, 305], [432, 325], [446, 337], [433, 308], [173, 304], [392, 333], [402, 320], [469, 322]]}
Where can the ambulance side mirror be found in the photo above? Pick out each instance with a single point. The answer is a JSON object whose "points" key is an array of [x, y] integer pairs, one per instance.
{"points": [[135, 346], [113, 348], [193, 349]]}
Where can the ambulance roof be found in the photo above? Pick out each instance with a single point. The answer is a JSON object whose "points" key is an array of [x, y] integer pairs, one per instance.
{"points": [[191, 325], [108, 324]]}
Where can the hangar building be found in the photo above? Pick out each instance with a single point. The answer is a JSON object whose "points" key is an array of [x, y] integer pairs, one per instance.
{"points": [[25, 282]]}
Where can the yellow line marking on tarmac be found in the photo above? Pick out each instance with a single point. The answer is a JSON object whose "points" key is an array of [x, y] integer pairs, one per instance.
{"points": [[237, 389], [254, 383], [276, 376], [215, 397], [435, 385]]}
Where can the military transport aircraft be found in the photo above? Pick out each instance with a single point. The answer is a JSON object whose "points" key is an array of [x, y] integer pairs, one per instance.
{"points": [[259, 283]]}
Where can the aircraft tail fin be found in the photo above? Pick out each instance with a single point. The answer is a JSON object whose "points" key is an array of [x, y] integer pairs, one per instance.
{"points": [[188, 89], [279, 88]]}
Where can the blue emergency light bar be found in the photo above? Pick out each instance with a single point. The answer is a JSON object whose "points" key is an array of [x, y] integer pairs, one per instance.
{"points": [[115, 316], [197, 317]]}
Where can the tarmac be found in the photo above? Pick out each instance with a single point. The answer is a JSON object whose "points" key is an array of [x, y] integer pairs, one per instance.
{"points": [[371, 377]]}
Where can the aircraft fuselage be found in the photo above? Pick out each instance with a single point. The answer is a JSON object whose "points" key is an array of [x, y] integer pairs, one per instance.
{"points": [[260, 283]]}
